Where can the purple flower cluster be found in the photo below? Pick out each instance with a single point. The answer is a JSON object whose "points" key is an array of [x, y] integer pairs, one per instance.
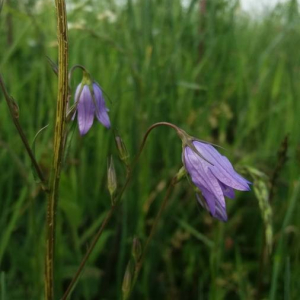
{"points": [[213, 174], [89, 106]]}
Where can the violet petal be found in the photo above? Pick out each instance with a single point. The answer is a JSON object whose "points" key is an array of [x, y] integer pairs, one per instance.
{"points": [[86, 110], [101, 110], [201, 175], [221, 167], [221, 213], [227, 190]]}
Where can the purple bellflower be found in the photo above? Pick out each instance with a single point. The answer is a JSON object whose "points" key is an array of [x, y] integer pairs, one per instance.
{"points": [[213, 174], [90, 102]]}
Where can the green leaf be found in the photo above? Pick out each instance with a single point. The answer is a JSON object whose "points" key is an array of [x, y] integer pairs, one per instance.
{"points": [[35, 175], [201, 237], [192, 86], [53, 65], [287, 279], [3, 279], [12, 223], [1, 5], [69, 140]]}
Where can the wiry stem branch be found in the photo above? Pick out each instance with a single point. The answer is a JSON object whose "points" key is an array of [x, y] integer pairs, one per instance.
{"points": [[139, 264], [88, 253], [113, 208], [13, 109]]}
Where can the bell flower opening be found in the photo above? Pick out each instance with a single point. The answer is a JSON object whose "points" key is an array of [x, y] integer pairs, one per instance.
{"points": [[214, 175], [90, 102]]}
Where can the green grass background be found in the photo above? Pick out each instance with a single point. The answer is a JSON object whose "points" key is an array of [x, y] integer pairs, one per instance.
{"points": [[221, 76]]}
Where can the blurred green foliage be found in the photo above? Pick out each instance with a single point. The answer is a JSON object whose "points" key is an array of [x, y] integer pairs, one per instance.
{"points": [[217, 73]]}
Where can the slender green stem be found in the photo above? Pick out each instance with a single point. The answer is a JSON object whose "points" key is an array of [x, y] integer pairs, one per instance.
{"points": [[13, 109], [117, 201], [130, 170], [89, 251], [59, 139], [152, 232], [82, 68], [135, 161]]}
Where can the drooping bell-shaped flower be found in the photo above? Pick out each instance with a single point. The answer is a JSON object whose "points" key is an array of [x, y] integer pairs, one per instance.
{"points": [[213, 174], [89, 101]]}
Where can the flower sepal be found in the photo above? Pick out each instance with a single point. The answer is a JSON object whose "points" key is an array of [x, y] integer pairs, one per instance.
{"points": [[187, 141], [182, 173]]}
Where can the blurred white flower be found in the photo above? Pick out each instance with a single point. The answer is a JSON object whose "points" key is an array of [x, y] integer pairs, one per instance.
{"points": [[41, 6], [80, 24], [88, 8], [31, 42], [107, 15], [70, 6]]}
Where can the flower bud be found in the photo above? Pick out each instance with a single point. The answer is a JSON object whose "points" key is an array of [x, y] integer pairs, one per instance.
{"points": [[127, 280], [123, 154], [136, 249], [111, 177]]}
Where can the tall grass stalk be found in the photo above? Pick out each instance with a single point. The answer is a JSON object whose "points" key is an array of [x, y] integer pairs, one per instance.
{"points": [[59, 140]]}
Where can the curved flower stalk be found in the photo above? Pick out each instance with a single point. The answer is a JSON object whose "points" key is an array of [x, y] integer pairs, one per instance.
{"points": [[90, 102], [213, 174]]}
